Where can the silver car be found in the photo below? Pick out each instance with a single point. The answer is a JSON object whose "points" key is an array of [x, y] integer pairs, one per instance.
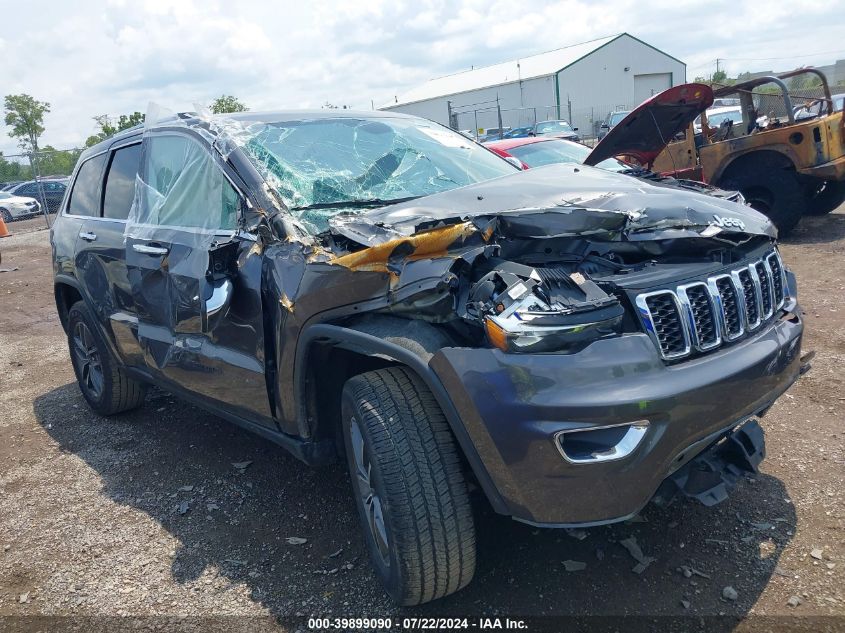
{"points": [[14, 207]]}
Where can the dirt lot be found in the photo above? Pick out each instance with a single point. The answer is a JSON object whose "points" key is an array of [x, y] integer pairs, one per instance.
{"points": [[145, 513]]}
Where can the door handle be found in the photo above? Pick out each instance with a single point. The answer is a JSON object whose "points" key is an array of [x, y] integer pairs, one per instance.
{"points": [[88, 237], [149, 250]]}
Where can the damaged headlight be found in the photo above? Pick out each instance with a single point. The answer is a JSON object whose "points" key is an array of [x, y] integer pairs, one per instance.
{"points": [[524, 309]]}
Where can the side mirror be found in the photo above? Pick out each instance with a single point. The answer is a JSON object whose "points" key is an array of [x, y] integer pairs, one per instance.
{"points": [[575, 129], [532, 134], [513, 160]]}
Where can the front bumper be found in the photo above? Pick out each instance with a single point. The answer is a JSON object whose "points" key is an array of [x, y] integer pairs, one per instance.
{"points": [[513, 405]]}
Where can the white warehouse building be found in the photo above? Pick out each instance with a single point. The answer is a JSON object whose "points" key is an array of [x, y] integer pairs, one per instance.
{"points": [[581, 83]]}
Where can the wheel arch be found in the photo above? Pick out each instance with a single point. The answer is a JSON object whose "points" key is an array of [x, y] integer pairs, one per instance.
{"points": [[327, 355], [775, 155], [66, 291]]}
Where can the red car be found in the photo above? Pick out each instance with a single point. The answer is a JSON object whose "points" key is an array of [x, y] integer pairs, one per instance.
{"points": [[536, 151]]}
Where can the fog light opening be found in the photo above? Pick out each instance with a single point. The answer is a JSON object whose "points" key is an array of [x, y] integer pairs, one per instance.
{"points": [[601, 444]]}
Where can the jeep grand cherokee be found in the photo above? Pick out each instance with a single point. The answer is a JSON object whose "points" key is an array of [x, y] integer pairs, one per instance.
{"points": [[377, 288]]}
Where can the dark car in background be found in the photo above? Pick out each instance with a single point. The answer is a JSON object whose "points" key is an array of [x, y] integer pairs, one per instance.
{"points": [[375, 288], [557, 128], [610, 122], [519, 132], [53, 192]]}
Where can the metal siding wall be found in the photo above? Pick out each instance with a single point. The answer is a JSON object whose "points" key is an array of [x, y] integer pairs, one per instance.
{"points": [[599, 83], [533, 92], [596, 85]]}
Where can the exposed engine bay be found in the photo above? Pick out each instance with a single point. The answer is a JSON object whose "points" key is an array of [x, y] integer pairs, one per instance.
{"points": [[500, 283]]}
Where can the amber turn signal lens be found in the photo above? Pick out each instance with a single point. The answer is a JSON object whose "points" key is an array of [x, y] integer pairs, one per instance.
{"points": [[496, 335]]}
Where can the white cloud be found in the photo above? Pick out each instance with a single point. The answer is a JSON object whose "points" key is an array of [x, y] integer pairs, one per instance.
{"points": [[88, 58]]}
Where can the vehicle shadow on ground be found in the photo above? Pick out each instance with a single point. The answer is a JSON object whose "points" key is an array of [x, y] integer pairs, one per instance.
{"points": [[233, 521], [818, 229]]}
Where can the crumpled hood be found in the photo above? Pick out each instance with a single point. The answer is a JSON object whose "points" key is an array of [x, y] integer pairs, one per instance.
{"points": [[563, 199]]}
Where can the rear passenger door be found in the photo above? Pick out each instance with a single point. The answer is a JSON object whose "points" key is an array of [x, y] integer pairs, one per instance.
{"points": [[102, 256], [195, 277]]}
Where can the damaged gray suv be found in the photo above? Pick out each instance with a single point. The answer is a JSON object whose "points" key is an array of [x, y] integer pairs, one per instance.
{"points": [[570, 343]]}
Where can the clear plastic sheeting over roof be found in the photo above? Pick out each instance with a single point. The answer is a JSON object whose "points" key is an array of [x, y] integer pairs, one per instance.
{"points": [[323, 167], [180, 188]]}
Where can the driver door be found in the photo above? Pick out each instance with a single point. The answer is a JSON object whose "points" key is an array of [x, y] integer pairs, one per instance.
{"points": [[195, 277]]}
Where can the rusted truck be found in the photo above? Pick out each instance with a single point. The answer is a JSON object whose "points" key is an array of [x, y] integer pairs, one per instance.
{"points": [[785, 166]]}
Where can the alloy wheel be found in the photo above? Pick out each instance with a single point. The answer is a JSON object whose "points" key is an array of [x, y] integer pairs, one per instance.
{"points": [[367, 492], [88, 360]]}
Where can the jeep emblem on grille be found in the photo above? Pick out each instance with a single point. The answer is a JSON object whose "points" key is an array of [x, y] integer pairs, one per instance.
{"points": [[728, 222]]}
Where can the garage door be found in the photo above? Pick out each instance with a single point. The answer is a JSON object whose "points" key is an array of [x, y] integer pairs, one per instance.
{"points": [[646, 86]]}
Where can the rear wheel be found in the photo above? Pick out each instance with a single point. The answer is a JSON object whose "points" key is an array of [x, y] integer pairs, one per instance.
{"points": [[103, 383], [408, 486], [826, 198], [771, 189]]}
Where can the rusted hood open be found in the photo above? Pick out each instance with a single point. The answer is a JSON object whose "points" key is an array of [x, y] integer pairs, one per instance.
{"points": [[653, 124]]}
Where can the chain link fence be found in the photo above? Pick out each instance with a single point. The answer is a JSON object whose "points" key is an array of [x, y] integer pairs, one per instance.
{"points": [[41, 175], [483, 119]]}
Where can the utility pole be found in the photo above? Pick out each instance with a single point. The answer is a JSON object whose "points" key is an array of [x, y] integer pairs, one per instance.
{"points": [[499, 112]]}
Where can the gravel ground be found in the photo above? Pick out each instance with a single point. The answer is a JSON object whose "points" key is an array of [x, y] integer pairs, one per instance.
{"points": [[169, 510]]}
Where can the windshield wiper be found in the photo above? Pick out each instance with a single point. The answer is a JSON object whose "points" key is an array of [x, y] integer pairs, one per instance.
{"points": [[354, 204]]}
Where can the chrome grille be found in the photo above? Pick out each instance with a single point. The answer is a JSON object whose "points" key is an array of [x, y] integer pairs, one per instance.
{"points": [[733, 323], [702, 315], [749, 297], [667, 325], [764, 279], [778, 279]]}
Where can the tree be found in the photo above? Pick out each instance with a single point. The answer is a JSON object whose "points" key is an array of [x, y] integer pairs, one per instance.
{"points": [[108, 128], [53, 162], [25, 115], [11, 171], [227, 103], [719, 77]]}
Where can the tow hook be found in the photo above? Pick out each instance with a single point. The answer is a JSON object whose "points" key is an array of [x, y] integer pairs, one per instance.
{"points": [[806, 362]]}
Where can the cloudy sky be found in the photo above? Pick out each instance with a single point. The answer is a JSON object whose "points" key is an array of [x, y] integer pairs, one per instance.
{"points": [[115, 56]]}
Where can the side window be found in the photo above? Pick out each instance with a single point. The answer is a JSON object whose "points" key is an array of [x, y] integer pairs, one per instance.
{"points": [[85, 196], [120, 182], [184, 187], [26, 190]]}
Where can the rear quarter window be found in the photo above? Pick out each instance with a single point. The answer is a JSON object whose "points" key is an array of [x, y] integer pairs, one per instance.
{"points": [[120, 182], [85, 195]]}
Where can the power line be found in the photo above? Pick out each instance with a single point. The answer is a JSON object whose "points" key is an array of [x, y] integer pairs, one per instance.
{"points": [[768, 59]]}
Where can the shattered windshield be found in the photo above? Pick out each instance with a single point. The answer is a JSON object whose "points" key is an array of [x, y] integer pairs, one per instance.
{"points": [[322, 167]]}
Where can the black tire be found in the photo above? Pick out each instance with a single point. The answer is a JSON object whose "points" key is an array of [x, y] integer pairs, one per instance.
{"points": [[413, 470], [771, 189], [103, 383], [7, 217], [826, 198]]}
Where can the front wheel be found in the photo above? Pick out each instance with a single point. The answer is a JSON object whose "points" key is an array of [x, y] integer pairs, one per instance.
{"points": [[4, 213], [103, 383], [408, 485]]}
